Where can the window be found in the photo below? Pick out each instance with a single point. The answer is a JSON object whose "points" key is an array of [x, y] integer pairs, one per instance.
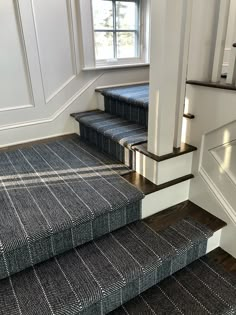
{"points": [[115, 32], [116, 29]]}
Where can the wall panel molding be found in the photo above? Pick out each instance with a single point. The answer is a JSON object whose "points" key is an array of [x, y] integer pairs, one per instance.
{"points": [[22, 48], [71, 59], [57, 113]]}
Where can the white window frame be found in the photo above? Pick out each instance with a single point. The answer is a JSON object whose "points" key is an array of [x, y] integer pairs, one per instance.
{"points": [[88, 43]]}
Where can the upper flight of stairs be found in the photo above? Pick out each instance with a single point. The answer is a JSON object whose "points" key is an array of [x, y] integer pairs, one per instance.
{"points": [[71, 222], [121, 130]]}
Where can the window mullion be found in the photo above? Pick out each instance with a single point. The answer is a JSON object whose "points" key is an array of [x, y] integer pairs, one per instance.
{"points": [[114, 27]]}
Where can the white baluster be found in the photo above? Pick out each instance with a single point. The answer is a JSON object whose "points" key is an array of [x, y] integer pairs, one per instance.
{"points": [[231, 75], [221, 34]]}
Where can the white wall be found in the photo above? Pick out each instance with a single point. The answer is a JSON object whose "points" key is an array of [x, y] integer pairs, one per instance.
{"points": [[215, 112], [41, 77]]}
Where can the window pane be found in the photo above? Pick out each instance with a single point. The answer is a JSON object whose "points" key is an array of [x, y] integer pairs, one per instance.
{"points": [[102, 14], [104, 45], [126, 15], [126, 43]]}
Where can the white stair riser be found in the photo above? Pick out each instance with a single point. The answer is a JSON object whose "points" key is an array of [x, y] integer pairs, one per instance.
{"points": [[165, 171], [214, 241], [165, 198]]}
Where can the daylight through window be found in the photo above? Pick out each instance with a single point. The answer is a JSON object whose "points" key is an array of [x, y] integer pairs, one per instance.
{"points": [[116, 29]]}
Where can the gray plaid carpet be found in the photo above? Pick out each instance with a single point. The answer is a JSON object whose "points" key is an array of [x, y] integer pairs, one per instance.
{"points": [[100, 276], [57, 196], [201, 288]]}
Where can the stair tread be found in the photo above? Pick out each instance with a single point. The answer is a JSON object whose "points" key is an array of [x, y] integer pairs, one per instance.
{"points": [[189, 209], [126, 133], [184, 149], [56, 196], [217, 85], [202, 287], [134, 94], [97, 277], [147, 187]]}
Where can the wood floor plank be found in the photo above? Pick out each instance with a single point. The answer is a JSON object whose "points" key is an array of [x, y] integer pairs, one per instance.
{"points": [[185, 209]]}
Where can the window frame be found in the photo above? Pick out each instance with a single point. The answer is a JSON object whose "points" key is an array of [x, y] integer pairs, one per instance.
{"points": [[88, 40], [114, 30]]}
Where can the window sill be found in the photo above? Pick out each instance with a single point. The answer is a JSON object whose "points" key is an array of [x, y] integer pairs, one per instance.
{"points": [[112, 67]]}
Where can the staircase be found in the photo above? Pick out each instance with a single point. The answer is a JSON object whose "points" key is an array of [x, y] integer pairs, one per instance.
{"points": [[75, 237]]}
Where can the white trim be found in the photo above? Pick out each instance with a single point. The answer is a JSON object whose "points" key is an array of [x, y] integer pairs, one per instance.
{"points": [[164, 171], [87, 29], [6, 109], [218, 195], [165, 198], [57, 113], [117, 66], [86, 20], [121, 85], [223, 18], [214, 241], [183, 69], [231, 75]]}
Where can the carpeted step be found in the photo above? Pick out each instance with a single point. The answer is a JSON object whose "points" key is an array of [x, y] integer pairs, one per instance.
{"points": [[100, 276], [203, 287], [56, 196], [111, 134], [128, 102]]}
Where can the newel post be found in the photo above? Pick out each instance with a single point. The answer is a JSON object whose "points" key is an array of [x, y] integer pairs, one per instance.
{"points": [[170, 31]]}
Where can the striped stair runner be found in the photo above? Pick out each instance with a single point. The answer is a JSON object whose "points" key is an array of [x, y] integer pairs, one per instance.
{"points": [[57, 196], [122, 125], [100, 276], [201, 288], [111, 134], [130, 102]]}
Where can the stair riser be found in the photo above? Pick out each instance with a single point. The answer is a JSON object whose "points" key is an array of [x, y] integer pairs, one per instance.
{"points": [[41, 250], [127, 111], [107, 145], [165, 171], [150, 279], [214, 241], [165, 198]]}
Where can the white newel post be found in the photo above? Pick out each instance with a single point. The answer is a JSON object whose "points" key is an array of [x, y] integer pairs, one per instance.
{"points": [[170, 27]]}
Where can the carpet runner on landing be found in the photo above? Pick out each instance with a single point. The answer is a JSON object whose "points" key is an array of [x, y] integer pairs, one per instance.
{"points": [[129, 102], [98, 277], [201, 288], [110, 134], [57, 196]]}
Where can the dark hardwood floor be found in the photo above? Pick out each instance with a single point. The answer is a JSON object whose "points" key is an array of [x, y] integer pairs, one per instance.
{"points": [[219, 85], [221, 257], [184, 149], [165, 218], [147, 187]]}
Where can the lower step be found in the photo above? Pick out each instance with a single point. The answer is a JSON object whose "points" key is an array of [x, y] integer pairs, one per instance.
{"points": [[100, 276], [56, 196], [204, 287]]}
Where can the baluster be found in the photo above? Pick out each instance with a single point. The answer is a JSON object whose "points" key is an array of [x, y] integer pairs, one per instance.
{"points": [[231, 76], [224, 7]]}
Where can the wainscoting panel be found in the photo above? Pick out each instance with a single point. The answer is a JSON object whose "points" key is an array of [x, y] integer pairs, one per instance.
{"points": [[54, 31], [15, 81]]}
